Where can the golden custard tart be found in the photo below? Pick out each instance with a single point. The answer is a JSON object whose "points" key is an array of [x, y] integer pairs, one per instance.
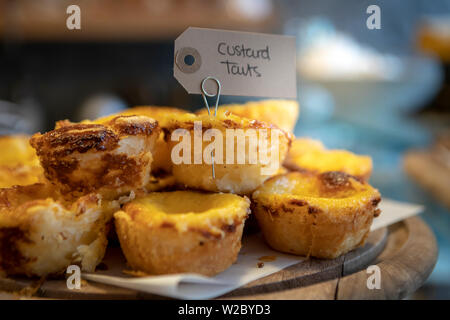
{"points": [[19, 164], [282, 113], [320, 215], [310, 155], [182, 231], [234, 170], [41, 233], [161, 156], [159, 113], [304, 145], [111, 158]]}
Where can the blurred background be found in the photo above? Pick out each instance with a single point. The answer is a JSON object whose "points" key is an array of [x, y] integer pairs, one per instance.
{"points": [[385, 92]]}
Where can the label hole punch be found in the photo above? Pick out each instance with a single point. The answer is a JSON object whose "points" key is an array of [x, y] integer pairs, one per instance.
{"points": [[189, 59]]}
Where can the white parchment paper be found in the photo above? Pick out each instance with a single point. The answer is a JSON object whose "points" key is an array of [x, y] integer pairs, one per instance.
{"points": [[394, 211], [245, 270]]}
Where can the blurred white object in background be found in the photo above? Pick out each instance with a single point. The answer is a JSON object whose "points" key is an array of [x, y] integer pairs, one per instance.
{"points": [[250, 9], [326, 54], [24, 117], [368, 88], [100, 105]]}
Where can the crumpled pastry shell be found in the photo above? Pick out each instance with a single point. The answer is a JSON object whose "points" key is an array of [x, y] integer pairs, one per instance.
{"points": [[110, 158]]}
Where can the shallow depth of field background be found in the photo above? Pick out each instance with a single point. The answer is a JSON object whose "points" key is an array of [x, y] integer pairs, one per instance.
{"points": [[376, 92]]}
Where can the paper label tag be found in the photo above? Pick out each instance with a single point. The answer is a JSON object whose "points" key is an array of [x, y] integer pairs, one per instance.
{"points": [[246, 64]]}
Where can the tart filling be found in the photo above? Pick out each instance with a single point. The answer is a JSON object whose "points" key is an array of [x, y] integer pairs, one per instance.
{"points": [[320, 215], [282, 113], [182, 231], [19, 164]]}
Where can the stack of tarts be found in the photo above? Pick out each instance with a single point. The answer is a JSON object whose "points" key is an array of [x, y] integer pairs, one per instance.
{"points": [[64, 192]]}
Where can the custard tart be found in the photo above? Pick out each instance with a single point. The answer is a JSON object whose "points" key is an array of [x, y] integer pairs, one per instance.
{"points": [[182, 231], [42, 234], [282, 113], [111, 158], [320, 215], [310, 155], [162, 164], [251, 152]]}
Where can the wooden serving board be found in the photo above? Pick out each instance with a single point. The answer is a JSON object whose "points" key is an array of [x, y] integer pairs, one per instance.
{"points": [[408, 258], [406, 253]]}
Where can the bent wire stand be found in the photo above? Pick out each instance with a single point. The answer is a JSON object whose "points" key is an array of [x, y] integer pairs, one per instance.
{"points": [[205, 100]]}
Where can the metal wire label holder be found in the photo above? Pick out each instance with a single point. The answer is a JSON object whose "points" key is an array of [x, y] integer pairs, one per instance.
{"points": [[205, 94]]}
